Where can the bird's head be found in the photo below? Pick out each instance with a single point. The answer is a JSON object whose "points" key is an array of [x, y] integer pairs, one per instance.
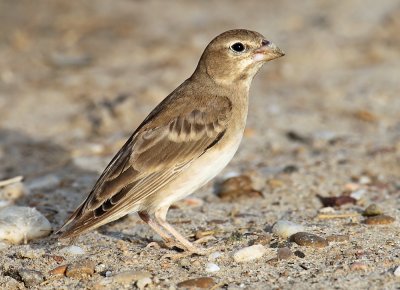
{"points": [[236, 56]]}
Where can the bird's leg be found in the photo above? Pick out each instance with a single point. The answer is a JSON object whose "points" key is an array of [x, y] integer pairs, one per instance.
{"points": [[155, 226], [161, 218]]}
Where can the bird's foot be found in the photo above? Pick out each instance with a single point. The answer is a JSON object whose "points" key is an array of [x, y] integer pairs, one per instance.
{"points": [[186, 253], [188, 249]]}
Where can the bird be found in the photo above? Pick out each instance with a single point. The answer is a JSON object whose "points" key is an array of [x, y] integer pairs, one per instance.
{"points": [[186, 140]]}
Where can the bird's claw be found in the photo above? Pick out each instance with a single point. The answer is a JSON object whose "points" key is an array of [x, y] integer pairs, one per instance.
{"points": [[187, 250]]}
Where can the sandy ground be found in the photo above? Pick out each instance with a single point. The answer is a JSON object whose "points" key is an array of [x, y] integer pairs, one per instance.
{"points": [[77, 77]]}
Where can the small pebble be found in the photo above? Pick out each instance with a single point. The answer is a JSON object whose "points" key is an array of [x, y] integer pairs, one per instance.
{"points": [[184, 263], [238, 187], [60, 270], [275, 183], [130, 276], [26, 252], [298, 137], [397, 271], [143, 282], [231, 174], [73, 250], [100, 268], [338, 238], [58, 259], [196, 263], [262, 240], [285, 229], [381, 219], [211, 267], [327, 209], [372, 210], [284, 253], [351, 186], [20, 224], [202, 283], [336, 200], [290, 169], [109, 273], [214, 256], [309, 240], [80, 269], [249, 253], [12, 191], [358, 194], [31, 277], [299, 254], [364, 180], [358, 266]]}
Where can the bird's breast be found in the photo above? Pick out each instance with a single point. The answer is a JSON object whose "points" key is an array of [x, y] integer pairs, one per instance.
{"points": [[200, 171]]}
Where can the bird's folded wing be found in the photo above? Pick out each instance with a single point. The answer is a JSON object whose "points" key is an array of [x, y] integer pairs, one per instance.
{"points": [[151, 158]]}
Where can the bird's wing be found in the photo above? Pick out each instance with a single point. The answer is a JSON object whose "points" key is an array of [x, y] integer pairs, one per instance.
{"points": [[151, 158]]}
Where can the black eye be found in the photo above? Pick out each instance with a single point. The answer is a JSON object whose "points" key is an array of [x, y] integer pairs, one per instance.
{"points": [[238, 47]]}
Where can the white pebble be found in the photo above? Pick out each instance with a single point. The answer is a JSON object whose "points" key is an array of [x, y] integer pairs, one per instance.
{"points": [[214, 256], [96, 148], [327, 209], [73, 250], [108, 274], [231, 174], [130, 276], [397, 271], [357, 195], [249, 253], [142, 283], [285, 229], [211, 268], [12, 191], [100, 268], [364, 180], [20, 224]]}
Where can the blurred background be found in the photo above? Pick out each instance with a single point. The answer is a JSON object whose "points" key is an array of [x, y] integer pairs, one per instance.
{"points": [[73, 68]]}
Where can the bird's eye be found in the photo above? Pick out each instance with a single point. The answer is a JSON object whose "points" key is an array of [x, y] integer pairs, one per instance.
{"points": [[238, 47]]}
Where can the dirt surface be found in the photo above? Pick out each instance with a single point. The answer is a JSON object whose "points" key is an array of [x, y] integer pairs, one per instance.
{"points": [[77, 77]]}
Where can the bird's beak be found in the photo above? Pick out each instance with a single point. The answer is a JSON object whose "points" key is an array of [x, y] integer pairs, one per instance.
{"points": [[267, 51]]}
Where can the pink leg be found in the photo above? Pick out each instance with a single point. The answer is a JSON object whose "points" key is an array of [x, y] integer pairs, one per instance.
{"points": [[156, 227], [161, 218]]}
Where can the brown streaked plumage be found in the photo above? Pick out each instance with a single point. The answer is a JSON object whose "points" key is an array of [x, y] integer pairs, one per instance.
{"points": [[183, 143]]}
